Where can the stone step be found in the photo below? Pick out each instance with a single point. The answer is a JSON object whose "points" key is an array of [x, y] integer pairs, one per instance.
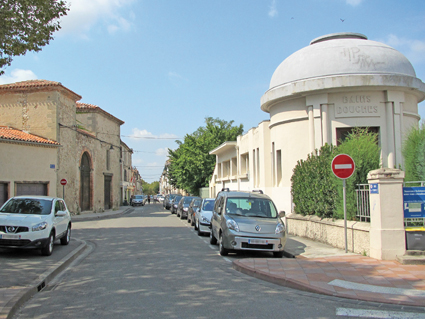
{"points": [[415, 252], [411, 260]]}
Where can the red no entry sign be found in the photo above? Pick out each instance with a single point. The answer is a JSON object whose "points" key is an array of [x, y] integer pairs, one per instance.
{"points": [[63, 181], [343, 166]]}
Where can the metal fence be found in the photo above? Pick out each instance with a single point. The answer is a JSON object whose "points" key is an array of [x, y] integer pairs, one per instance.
{"points": [[363, 206]]}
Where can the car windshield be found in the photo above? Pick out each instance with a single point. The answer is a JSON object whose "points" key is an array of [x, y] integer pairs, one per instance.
{"points": [[138, 197], [27, 206], [251, 207], [177, 199], [208, 205], [187, 200]]}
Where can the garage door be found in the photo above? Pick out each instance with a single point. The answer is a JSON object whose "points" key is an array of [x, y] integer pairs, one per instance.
{"points": [[3, 193], [31, 189]]}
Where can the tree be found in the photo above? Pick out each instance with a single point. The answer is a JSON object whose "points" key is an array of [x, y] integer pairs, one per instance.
{"points": [[414, 154], [191, 165], [27, 25]]}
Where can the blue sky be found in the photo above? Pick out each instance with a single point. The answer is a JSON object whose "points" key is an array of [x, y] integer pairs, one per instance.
{"points": [[162, 66]]}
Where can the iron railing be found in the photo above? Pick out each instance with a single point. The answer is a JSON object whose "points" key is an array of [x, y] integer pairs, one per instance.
{"points": [[363, 206]]}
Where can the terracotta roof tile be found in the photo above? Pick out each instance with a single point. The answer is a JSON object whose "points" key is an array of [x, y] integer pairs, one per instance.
{"points": [[91, 107], [35, 84], [10, 133]]}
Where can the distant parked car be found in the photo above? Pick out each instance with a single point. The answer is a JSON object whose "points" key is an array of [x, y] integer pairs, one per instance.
{"points": [[167, 202], [34, 222], [193, 207], [203, 215], [138, 200], [183, 206], [247, 221], [160, 197], [174, 203]]}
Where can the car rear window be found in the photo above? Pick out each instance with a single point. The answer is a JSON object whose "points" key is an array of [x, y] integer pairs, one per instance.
{"points": [[251, 207], [27, 206]]}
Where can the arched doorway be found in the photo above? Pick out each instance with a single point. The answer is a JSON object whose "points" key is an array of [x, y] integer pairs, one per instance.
{"points": [[85, 192]]}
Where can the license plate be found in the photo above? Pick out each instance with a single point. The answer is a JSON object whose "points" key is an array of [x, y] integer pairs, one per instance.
{"points": [[10, 236], [258, 241]]}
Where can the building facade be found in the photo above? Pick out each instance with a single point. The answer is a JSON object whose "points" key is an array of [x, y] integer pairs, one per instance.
{"points": [[87, 154], [316, 96]]}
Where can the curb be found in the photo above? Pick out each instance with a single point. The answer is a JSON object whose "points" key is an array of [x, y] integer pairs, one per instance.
{"points": [[13, 305], [293, 284], [100, 216]]}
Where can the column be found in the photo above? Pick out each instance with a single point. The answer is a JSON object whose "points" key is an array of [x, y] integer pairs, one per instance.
{"points": [[387, 234]]}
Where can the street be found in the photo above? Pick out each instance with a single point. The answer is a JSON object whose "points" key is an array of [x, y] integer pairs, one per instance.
{"points": [[150, 264]]}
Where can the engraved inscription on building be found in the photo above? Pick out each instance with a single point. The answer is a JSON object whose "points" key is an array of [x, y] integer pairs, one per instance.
{"points": [[357, 106]]}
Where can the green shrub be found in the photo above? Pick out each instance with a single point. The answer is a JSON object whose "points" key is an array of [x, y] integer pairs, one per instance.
{"points": [[414, 154], [363, 148]]}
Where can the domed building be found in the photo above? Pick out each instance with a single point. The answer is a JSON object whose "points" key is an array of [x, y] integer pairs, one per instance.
{"points": [[316, 96]]}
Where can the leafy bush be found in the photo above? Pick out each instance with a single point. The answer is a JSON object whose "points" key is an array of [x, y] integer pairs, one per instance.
{"points": [[317, 191], [414, 154]]}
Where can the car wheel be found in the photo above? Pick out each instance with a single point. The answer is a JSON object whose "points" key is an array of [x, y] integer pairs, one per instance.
{"points": [[278, 254], [223, 251], [48, 248], [196, 225], [192, 222], [213, 240], [65, 239], [199, 232], [181, 216]]}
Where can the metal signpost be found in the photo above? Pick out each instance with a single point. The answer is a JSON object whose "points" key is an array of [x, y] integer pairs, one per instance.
{"points": [[343, 167], [63, 183]]}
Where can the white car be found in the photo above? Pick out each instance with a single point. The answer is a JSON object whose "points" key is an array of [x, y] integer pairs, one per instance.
{"points": [[203, 216], [34, 222]]}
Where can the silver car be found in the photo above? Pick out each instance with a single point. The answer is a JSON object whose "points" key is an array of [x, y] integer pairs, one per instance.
{"points": [[203, 216], [247, 221]]}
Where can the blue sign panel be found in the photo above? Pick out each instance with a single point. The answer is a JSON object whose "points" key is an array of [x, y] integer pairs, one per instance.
{"points": [[374, 189], [52, 166], [414, 202]]}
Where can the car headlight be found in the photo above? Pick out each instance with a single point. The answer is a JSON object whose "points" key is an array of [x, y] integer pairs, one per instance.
{"points": [[205, 220], [280, 228], [40, 226], [231, 224], [185, 209]]}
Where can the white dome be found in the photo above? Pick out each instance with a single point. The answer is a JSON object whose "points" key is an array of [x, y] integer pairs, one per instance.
{"points": [[341, 54]]}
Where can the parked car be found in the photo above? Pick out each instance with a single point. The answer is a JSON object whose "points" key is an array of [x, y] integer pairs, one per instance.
{"points": [[203, 215], [138, 200], [167, 202], [174, 203], [34, 222], [183, 206], [160, 197], [247, 221], [193, 207]]}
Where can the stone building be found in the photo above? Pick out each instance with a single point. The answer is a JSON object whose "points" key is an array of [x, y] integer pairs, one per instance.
{"points": [[87, 153], [127, 187], [316, 96]]}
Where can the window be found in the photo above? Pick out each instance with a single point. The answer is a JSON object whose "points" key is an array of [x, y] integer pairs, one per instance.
{"points": [[343, 132], [244, 163], [251, 207], [278, 167]]}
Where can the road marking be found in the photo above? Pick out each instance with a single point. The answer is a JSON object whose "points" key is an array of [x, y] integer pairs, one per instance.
{"points": [[365, 313], [213, 247], [227, 259], [377, 289]]}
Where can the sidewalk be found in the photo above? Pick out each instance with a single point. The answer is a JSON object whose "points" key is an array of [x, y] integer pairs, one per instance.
{"points": [[326, 270], [17, 284]]}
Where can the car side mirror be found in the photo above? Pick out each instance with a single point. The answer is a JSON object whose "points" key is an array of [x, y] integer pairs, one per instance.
{"points": [[60, 213], [282, 214]]}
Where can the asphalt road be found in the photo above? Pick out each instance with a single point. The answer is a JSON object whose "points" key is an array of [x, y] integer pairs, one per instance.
{"points": [[150, 264]]}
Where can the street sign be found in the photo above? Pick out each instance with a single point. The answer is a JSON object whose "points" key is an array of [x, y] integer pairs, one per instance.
{"points": [[343, 166], [63, 181]]}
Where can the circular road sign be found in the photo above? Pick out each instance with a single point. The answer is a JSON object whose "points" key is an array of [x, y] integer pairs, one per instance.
{"points": [[343, 166], [63, 181]]}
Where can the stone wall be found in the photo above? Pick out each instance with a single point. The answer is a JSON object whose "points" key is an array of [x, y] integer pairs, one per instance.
{"points": [[331, 232]]}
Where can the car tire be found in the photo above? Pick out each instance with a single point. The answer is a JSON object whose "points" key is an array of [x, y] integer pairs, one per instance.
{"points": [[192, 222], [199, 232], [196, 225], [278, 254], [48, 248], [65, 239], [223, 251], [181, 216], [213, 240]]}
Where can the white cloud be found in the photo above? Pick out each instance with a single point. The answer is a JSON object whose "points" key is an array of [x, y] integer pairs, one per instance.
{"points": [[353, 3], [18, 75], [162, 151], [176, 79], [272, 9], [85, 14], [148, 135], [413, 49]]}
